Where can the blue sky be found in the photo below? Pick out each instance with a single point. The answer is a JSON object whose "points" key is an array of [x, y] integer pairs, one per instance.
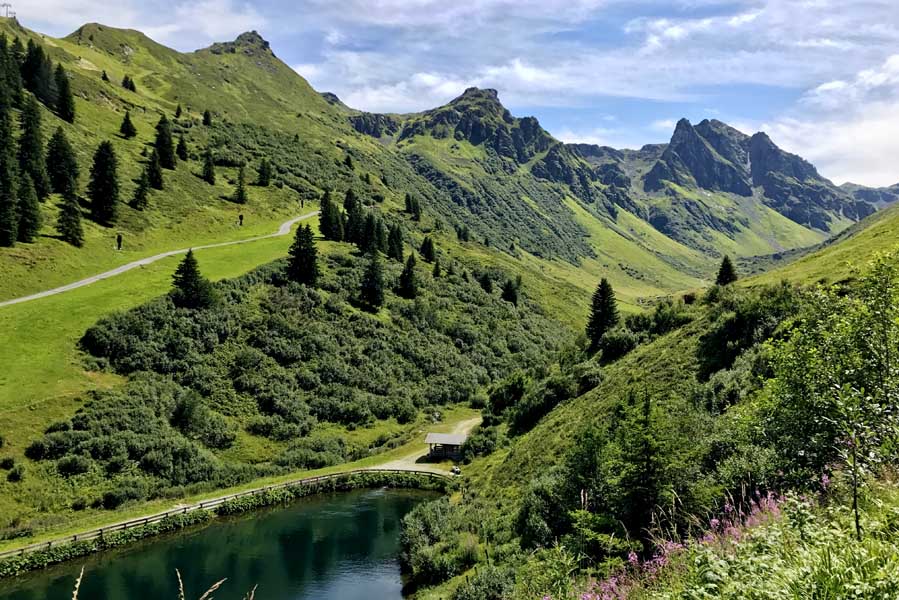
{"points": [[820, 76]]}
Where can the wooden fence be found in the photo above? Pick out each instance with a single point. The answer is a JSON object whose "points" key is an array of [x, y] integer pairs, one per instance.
{"points": [[204, 505]]}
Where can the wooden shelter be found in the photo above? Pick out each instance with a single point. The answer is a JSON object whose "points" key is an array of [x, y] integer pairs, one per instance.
{"points": [[445, 445]]}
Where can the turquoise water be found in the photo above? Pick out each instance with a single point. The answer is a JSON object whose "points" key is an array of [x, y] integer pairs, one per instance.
{"points": [[342, 546]]}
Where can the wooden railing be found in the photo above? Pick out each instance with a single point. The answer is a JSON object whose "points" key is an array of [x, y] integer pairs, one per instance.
{"points": [[204, 505]]}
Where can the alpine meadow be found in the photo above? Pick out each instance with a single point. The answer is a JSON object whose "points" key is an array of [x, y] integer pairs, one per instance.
{"points": [[392, 339]]}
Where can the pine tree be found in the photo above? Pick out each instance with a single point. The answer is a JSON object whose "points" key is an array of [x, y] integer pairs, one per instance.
{"points": [[154, 171], [408, 208], [264, 173], [641, 469], [68, 224], [727, 274], [181, 149], [355, 218], [104, 76], [416, 210], [11, 74], [9, 210], [348, 161], [240, 194], [436, 272], [127, 129], [29, 210], [486, 282], [428, 252], [207, 118], [368, 240], [408, 283], [62, 167], [129, 84], [65, 102], [190, 289], [31, 148], [209, 167], [372, 290], [103, 188], [142, 191], [164, 143], [37, 75], [178, 112], [395, 243], [603, 313], [330, 220], [302, 266], [380, 235]]}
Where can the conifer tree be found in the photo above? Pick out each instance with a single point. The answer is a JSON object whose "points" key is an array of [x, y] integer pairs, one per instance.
{"points": [[395, 243], [264, 177], [408, 283], [129, 84], [348, 161], [154, 171], [355, 218], [436, 272], [510, 290], [641, 469], [207, 118], [31, 148], [372, 290], [127, 128], [65, 102], [190, 289], [240, 194], [428, 252], [165, 147], [486, 282], [10, 70], [330, 220], [37, 74], [603, 313], [29, 210], [181, 149], [104, 76], [62, 167], [208, 167], [408, 208], [68, 224], [302, 266], [380, 235], [727, 274], [9, 210], [142, 191], [178, 112], [416, 210], [103, 188]]}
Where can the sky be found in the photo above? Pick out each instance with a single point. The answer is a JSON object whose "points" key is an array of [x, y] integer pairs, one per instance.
{"points": [[821, 77]]}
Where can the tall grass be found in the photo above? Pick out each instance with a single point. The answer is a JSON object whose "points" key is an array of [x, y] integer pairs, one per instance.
{"points": [[207, 595]]}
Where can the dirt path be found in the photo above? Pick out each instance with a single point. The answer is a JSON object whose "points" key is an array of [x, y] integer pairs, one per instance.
{"points": [[410, 461], [284, 229]]}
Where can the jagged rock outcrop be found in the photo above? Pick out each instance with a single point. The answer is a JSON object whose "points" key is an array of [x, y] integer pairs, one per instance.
{"points": [[375, 125], [249, 43], [562, 166]]}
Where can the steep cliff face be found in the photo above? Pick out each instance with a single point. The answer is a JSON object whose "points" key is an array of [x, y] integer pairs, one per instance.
{"points": [[375, 125]]}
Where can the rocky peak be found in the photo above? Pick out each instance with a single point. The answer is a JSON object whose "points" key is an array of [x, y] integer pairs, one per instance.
{"points": [[249, 43]]}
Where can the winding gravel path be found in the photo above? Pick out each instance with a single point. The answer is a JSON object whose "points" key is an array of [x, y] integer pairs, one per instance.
{"points": [[284, 229]]}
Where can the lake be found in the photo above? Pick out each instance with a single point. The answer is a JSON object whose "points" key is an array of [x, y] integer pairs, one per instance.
{"points": [[343, 546]]}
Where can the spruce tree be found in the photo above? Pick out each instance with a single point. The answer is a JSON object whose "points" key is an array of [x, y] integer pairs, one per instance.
{"points": [[264, 177], [428, 252], [104, 76], [408, 283], [37, 75], [31, 148], [129, 84], [9, 209], [603, 313], [727, 274], [62, 167], [65, 102], [178, 112], [68, 224], [207, 118], [368, 239], [11, 74], [240, 194], [395, 243], [380, 236], [436, 272], [29, 210], [142, 191], [103, 188], [510, 290], [408, 203], [486, 282], [209, 167], [165, 147], [355, 218], [330, 220], [190, 289], [348, 161], [154, 171], [416, 210], [127, 129], [302, 266], [181, 149], [372, 290], [641, 469]]}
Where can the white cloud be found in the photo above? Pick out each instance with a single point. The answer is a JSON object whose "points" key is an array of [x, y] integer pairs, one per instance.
{"points": [[664, 125], [599, 136]]}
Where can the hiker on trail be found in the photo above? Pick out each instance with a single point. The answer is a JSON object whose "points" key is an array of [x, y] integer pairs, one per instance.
{"points": [[118, 241], [240, 220]]}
